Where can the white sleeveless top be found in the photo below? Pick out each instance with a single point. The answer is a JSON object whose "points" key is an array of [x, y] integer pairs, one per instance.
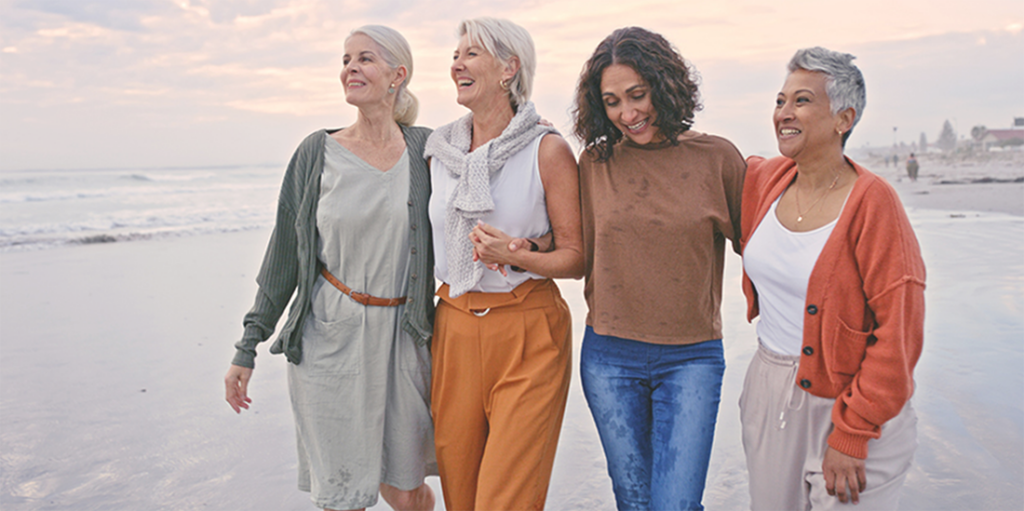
{"points": [[779, 263], [519, 211]]}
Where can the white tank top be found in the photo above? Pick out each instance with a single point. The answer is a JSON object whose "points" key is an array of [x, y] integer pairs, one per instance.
{"points": [[779, 263], [519, 211]]}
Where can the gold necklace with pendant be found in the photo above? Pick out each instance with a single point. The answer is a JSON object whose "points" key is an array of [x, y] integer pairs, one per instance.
{"points": [[799, 215]]}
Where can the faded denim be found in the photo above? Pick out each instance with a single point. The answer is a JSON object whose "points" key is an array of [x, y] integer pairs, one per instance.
{"points": [[655, 407]]}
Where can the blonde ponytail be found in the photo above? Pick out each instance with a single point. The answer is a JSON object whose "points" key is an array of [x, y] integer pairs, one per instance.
{"points": [[395, 52]]}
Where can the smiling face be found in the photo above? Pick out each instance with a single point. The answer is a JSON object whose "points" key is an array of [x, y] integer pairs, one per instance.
{"points": [[365, 76], [627, 103], [477, 75], [804, 124]]}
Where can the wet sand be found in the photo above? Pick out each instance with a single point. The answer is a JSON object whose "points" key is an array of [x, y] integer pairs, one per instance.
{"points": [[111, 359], [961, 187]]}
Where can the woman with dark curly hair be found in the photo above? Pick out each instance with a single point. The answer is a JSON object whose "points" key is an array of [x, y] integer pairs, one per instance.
{"points": [[658, 202]]}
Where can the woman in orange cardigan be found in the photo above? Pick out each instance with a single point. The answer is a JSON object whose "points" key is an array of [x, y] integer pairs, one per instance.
{"points": [[833, 268]]}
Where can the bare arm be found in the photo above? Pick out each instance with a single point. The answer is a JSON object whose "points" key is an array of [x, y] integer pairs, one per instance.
{"points": [[560, 177]]}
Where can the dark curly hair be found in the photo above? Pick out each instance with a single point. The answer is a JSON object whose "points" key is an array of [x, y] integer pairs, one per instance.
{"points": [[672, 82]]}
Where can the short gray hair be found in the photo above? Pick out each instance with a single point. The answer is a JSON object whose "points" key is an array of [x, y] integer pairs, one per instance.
{"points": [[505, 40], [395, 52], [844, 83]]}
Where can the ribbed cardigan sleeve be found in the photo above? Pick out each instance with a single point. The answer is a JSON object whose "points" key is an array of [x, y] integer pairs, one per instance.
{"points": [[279, 273], [418, 318]]}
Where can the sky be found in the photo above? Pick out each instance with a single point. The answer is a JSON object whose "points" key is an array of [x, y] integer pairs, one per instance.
{"points": [[183, 83]]}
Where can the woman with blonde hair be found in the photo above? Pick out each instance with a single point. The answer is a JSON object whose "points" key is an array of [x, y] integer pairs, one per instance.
{"points": [[351, 251]]}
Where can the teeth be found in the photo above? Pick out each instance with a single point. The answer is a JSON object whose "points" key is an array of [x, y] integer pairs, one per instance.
{"points": [[789, 131], [465, 82], [634, 127]]}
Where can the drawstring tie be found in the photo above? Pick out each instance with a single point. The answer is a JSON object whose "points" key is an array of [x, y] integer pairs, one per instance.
{"points": [[788, 404]]}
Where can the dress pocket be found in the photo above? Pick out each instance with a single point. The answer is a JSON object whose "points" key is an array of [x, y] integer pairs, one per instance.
{"points": [[848, 349], [331, 348], [333, 333], [329, 305]]}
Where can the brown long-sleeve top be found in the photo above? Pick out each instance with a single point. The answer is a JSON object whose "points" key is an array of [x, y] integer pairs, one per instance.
{"points": [[655, 221]]}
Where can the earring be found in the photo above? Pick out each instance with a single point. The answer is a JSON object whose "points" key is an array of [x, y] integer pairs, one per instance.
{"points": [[391, 90], [839, 131], [504, 84]]}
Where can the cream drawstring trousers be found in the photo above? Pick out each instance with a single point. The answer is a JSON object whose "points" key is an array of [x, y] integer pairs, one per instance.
{"points": [[785, 433]]}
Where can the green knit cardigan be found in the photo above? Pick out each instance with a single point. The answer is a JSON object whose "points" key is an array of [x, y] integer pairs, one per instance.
{"points": [[290, 263]]}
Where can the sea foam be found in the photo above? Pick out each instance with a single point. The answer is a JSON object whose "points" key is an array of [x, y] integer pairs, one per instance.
{"points": [[46, 208]]}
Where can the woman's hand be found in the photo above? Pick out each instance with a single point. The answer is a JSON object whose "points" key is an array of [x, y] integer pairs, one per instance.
{"points": [[236, 384], [545, 243], [842, 472], [491, 246]]}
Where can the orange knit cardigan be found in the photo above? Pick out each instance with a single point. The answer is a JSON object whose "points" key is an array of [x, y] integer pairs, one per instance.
{"points": [[864, 314]]}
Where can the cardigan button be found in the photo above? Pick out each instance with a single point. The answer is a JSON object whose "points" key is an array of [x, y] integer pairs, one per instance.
{"points": [[812, 309], [413, 227], [807, 349], [413, 250], [409, 203], [413, 276], [805, 383]]}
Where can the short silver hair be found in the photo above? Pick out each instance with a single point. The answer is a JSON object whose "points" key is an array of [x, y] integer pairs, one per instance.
{"points": [[505, 40], [844, 82], [395, 52]]}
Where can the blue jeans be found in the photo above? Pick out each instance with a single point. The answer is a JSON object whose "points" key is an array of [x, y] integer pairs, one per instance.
{"points": [[655, 407]]}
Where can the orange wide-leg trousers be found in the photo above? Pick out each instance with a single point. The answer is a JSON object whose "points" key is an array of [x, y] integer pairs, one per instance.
{"points": [[500, 382]]}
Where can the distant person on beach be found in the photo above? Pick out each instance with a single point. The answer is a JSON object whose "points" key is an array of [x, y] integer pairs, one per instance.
{"points": [[503, 342], [912, 167], [351, 251], [833, 268], [659, 202]]}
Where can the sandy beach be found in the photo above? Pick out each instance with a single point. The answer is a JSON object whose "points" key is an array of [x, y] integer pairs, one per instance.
{"points": [[992, 184], [112, 354]]}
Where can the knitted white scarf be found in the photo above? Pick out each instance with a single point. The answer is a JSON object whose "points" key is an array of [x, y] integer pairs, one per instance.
{"points": [[472, 199]]}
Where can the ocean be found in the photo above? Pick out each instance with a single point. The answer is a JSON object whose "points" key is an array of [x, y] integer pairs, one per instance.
{"points": [[50, 208]]}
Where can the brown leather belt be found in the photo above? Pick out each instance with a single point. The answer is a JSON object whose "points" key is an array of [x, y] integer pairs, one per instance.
{"points": [[362, 298]]}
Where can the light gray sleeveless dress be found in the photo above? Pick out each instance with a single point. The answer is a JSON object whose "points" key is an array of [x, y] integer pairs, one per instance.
{"points": [[361, 396]]}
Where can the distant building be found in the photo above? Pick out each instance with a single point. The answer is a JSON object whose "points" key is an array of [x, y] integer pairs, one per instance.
{"points": [[1018, 122], [1003, 138]]}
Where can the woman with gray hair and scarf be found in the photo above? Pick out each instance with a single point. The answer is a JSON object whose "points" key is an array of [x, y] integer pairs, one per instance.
{"points": [[502, 340], [833, 269]]}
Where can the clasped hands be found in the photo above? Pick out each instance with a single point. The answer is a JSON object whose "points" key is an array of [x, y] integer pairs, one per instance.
{"points": [[496, 249]]}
